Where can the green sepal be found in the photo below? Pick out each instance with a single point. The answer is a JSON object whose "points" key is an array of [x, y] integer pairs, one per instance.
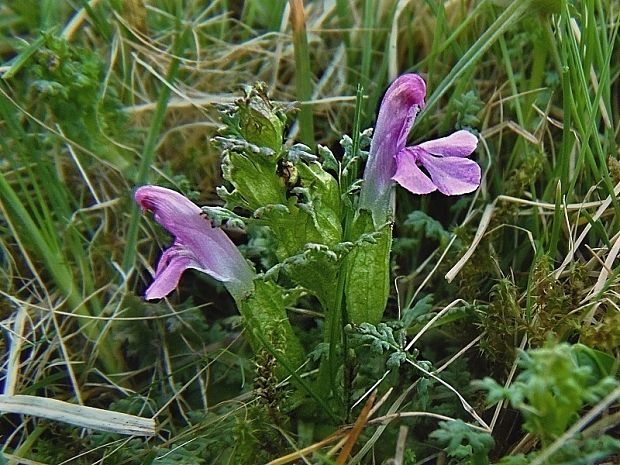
{"points": [[255, 119], [285, 189], [316, 270], [260, 121], [255, 179], [309, 232], [323, 202], [368, 272], [268, 326], [252, 150], [292, 228]]}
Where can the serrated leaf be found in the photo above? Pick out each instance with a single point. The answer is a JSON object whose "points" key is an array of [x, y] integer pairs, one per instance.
{"points": [[430, 227], [395, 360], [321, 350], [552, 388], [300, 152], [462, 441], [329, 161], [220, 216], [421, 307], [495, 391]]}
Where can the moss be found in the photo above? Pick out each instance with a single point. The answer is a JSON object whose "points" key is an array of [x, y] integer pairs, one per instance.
{"points": [[257, 436], [550, 305], [502, 322], [605, 333]]}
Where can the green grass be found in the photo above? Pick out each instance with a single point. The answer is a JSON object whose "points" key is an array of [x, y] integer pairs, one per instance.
{"points": [[99, 100]]}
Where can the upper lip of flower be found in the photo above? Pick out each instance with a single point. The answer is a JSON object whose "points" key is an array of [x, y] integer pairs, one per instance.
{"points": [[401, 102], [197, 245], [391, 160]]}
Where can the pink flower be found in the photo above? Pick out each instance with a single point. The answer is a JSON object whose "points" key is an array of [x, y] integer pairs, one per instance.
{"points": [[197, 245], [391, 160]]}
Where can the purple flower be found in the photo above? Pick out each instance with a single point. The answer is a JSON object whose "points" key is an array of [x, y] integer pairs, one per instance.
{"points": [[197, 245], [391, 160]]}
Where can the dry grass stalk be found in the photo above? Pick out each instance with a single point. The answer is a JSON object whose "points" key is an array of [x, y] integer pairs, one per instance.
{"points": [[79, 415]]}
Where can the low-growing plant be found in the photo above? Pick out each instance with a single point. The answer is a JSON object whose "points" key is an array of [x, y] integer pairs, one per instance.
{"points": [[332, 232]]}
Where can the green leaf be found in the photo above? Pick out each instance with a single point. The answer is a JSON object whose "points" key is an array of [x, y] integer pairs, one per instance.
{"points": [[430, 227], [329, 160], [601, 363], [462, 441], [396, 360], [380, 337], [421, 308], [69, 81]]}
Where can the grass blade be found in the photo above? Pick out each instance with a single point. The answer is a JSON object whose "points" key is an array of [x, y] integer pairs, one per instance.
{"points": [[303, 75]]}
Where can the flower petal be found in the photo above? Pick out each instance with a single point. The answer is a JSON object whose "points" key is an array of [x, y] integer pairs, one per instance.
{"points": [[458, 144], [197, 244], [171, 266], [171, 209], [451, 175], [409, 175], [399, 107]]}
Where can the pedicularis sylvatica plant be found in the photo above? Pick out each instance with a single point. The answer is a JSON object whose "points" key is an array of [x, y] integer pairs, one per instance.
{"points": [[331, 231]]}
